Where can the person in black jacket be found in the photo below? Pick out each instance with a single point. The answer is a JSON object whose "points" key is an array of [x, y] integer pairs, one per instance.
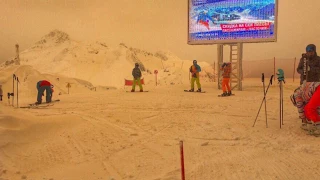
{"points": [[309, 65], [136, 73]]}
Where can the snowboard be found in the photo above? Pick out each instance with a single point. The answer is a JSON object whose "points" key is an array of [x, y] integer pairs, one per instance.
{"points": [[225, 96], [137, 91], [41, 105], [194, 91]]}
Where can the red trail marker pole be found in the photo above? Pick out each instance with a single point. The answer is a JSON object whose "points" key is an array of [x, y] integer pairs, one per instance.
{"points": [[182, 161]]}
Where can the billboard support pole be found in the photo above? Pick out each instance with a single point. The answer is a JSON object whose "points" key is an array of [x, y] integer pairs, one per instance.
{"points": [[236, 65], [220, 61], [239, 65]]}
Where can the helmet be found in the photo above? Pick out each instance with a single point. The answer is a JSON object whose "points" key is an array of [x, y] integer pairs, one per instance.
{"points": [[136, 64], [194, 61]]}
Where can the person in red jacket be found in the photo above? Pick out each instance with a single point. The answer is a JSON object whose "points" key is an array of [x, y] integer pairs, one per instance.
{"points": [[306, 99], [42, 86]]}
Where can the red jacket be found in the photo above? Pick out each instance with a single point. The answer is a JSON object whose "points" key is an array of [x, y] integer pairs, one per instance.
{"points": [[45, 83]]}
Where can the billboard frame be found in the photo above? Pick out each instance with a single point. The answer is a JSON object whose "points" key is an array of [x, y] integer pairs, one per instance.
{"points": [[232, 41]]}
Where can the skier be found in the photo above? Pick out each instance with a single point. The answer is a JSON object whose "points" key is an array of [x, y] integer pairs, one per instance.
{"points": [[1, 92], [42, 86], [136, 73], [309, 65], [306, 99], [204, 18], [194, 70], [226, 71]]}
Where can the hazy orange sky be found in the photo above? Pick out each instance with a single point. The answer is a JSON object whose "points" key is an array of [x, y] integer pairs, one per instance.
{"points": [[151, 25]]}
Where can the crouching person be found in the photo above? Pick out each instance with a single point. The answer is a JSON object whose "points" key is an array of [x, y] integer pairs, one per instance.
{"points": [[306, 99], [42, 86]]}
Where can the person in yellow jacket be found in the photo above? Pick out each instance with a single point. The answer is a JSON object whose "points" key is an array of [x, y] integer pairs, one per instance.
{"points": [[194, 70]]}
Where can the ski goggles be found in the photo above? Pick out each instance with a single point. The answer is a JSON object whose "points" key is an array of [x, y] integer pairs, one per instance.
{"points": [[310, 49]]}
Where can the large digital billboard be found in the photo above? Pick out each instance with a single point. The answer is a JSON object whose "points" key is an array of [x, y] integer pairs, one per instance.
{"points": [[232, 21]]}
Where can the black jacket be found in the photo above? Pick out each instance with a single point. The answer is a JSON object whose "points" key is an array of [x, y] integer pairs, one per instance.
{"points": [[136, 73], [313, 75]]}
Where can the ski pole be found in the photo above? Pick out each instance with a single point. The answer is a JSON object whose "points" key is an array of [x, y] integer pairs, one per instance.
{"points": [[18, 92], [13, 78], [280, 81], [280, 103], [265, 100], [270, 83]]}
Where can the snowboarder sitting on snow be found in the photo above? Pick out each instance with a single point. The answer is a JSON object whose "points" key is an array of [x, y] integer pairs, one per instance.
{"points": [[226, 71], [44, 86], [1, 92], [309, 70], [306, 99], [136, 73], [194, 70]]}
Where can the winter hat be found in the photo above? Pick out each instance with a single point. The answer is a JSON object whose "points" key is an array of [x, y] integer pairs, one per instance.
{"points": [[311, 47]]}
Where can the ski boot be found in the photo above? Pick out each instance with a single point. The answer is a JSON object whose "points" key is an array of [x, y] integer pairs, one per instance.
{"points": [[315, 130], [191, 90], [132, 90], [199, 90], [229, 93], [224, 94], [141, 90]]}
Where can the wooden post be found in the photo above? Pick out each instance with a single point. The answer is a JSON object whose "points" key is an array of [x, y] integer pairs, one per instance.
{"points": [[68, 86], [294, 68], [17, 62], [214, 71]]}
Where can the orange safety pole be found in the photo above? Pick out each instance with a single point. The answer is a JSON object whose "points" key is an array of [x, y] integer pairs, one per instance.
{"points": [[182, 161]]}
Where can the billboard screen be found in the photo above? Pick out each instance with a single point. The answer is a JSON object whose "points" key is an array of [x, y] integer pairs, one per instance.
{"points": [[232, 21]]}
